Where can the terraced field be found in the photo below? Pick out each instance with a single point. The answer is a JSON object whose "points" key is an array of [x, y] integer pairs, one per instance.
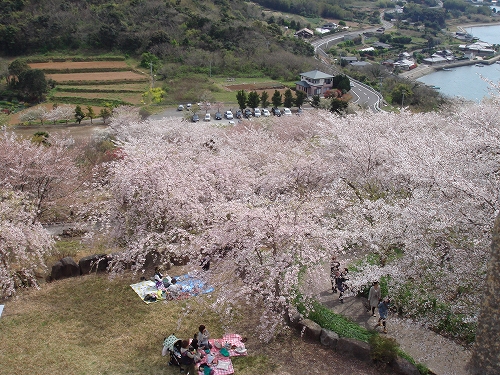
{"points": [[94, 82]]}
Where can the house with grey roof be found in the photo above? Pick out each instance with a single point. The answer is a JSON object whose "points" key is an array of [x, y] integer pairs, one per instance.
{"points": [[304, 33], [381, 45], [314, 82], [434, 59], [348, 59], [359, 64]]}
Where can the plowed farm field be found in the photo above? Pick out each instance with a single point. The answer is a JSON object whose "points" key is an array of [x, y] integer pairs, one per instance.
{"points": [[132, 98], [98, 76], [63, 65]]}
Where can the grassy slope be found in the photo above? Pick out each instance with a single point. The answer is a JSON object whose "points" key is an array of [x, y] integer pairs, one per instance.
{"points": [[89, 325], [94, 325]]}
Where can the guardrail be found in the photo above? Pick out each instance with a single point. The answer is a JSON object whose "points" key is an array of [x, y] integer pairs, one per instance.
{"points": [[376, 106]]}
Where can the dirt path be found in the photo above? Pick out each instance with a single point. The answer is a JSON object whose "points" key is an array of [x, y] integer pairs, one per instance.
{"points": [[440, 355]]}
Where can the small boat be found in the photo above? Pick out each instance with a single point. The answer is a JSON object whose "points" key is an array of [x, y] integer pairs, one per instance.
{"points": [[447, 69], [498, 61], [480, 65]]}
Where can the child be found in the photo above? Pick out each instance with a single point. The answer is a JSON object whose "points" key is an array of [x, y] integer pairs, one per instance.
{"points": [[383, 310]]}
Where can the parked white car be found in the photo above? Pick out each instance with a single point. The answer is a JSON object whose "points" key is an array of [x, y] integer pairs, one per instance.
{"points": [[266, 113], [207, 117], [287, 112], [180, 107], [256, 112], [228, 115]]}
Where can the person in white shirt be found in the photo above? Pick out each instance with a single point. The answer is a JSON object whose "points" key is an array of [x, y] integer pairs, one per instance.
{"points": [[174, 289]]}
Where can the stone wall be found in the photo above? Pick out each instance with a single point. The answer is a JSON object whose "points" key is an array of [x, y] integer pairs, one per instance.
{"points": [[348, 347], [97, 263]]}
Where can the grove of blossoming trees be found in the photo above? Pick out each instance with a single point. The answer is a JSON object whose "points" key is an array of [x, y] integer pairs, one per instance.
{"points": [[270, 201], [34, 178], [23, 243], [45, 174]]}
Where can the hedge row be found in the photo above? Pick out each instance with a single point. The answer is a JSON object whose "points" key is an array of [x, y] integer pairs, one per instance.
{"points": [[90, 101], [44, 59]]}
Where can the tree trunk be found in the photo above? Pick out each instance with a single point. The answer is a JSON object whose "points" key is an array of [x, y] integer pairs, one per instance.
{"points": [[486, 351]]}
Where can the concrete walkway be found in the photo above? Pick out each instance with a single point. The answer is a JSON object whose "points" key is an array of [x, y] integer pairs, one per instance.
{"points": [[442, 356]]}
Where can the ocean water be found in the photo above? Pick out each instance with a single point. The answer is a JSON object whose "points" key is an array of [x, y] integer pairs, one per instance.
{"points": [[469, 81]]}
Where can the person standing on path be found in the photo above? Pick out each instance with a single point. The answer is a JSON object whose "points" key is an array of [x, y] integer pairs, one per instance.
{"points": [[374, 296], [383, 310], [341, 286], [334, 269]]}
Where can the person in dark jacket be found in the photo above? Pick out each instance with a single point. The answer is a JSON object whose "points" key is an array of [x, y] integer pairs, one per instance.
{"points": [[383, 311], [188, 358], [334, 268], [342, 277]]}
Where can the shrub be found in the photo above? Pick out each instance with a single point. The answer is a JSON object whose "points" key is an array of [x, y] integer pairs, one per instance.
{"points": [[383, 349], [337, 323]]}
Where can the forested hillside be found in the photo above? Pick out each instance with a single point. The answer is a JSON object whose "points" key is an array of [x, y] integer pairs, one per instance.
{"points": [[230, 36]]}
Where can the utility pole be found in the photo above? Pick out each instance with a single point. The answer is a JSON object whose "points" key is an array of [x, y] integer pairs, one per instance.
{"points": [[151, 73]]}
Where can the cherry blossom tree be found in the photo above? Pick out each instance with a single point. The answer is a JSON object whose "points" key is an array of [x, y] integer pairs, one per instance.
{"points": [[44, 174], [269, 202], [23, 243], [61, 112], [33, 114]]}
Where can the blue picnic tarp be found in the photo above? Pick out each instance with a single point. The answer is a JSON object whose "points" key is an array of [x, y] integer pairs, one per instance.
{"points": [[190, 286]]}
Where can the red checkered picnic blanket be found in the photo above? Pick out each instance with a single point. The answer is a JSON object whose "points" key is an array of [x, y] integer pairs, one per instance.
{"points": [[233, 340]]}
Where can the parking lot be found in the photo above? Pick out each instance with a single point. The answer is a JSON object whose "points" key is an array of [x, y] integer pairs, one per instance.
{"points": [[188, 113]]}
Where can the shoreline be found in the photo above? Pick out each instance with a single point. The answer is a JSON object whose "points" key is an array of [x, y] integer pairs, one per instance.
{"points": [[462, 27], [423, 69]]}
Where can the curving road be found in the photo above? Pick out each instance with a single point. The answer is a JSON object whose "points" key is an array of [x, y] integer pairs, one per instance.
{"points": [[363, 95]]}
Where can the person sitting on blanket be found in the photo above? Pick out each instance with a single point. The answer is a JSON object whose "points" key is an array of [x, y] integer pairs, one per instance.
{"points": [[174, 289], [194, 346], [203, 337], [188, 358], [162, 280]]}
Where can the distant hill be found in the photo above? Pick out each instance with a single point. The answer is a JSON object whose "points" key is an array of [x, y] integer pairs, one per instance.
{"points": [[233, 37]]}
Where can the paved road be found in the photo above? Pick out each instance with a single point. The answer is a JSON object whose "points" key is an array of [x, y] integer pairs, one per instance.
{"points": [[363, 95], [441, 355]]}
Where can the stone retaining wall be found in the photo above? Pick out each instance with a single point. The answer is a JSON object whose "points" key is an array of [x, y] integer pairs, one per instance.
{"points": [[348, 347]]}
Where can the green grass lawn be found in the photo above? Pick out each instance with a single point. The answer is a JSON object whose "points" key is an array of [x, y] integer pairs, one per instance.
{"points": [[94, 325]]}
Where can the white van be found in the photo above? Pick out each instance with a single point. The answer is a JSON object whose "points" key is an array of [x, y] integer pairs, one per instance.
{"points": [[256, 112]]}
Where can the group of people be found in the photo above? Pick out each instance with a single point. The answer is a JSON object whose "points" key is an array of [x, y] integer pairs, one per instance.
{"points": [[193, 352], [167, 287], [375, 300], [338, 278]]}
